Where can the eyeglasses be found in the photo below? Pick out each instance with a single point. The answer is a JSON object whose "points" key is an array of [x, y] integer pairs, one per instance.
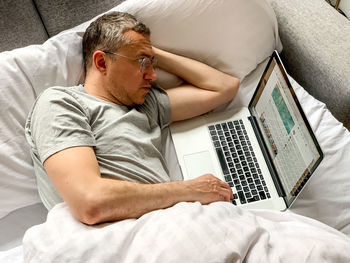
{"points": [[145, 62]]}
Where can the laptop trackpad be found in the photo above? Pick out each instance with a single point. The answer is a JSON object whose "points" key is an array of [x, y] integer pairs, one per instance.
{"points": [[198, 164]]}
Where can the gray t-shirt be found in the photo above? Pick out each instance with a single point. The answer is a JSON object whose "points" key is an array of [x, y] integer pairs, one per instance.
{"points": [[127, 141]]}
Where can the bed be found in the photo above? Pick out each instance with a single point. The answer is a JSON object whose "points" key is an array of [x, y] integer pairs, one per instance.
{"points": [[315, 229]]}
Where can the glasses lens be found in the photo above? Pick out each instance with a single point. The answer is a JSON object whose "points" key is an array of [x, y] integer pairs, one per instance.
{"points": [[147, 63]]}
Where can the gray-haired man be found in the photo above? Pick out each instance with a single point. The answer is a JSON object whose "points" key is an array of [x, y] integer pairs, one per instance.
{"points": [[97, 146]]}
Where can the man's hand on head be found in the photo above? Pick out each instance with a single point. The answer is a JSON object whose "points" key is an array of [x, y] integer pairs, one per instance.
{"points": [[205, 87]]}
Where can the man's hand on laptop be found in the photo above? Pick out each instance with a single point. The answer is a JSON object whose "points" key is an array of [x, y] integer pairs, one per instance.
{"points": [[208, 188]]}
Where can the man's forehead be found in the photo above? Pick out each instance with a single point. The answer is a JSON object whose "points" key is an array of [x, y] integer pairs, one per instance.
{"points": [[138, 43]]}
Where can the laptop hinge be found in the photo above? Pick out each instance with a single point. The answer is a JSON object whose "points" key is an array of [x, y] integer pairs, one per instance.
{"points": [[267, 157]]}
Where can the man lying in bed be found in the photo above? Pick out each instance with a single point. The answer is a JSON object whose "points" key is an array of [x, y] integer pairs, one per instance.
{"points": [[97, 146]]}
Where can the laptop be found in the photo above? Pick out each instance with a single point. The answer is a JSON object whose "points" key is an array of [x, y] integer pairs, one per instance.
{"points": [[266, 152]]}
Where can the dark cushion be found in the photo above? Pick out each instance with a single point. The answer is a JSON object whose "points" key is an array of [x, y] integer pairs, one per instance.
{"points": [[20, 25], [60, 15]]}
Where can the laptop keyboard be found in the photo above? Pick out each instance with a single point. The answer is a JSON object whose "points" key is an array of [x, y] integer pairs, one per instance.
{"points": [[238, 161]]}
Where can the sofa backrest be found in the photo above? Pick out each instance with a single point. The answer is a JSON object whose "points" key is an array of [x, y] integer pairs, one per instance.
{"points": [[27, 22], [59, 15], [20, 25], [316, 51]]}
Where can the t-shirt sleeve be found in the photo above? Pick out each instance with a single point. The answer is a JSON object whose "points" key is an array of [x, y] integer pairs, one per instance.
{"points": [[56, 122], [157, 106]]}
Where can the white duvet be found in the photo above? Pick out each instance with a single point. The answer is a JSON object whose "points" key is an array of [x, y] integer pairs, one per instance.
{"points": [[220, 232], [188, 232]]}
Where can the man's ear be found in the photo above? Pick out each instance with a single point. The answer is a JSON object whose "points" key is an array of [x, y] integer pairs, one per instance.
{"points": [[99, 61]]}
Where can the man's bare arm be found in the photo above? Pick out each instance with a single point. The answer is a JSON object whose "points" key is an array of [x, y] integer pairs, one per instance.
{"points": [[94, 199], [207, 87]]}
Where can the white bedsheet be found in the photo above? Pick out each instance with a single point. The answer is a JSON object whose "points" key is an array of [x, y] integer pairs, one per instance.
{"points": [[220, 232], [13, 255]]}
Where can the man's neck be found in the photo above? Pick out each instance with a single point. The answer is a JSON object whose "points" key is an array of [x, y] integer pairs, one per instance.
{"points": [[95, 86]]}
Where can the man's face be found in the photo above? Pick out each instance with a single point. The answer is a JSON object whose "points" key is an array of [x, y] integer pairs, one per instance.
{"points": [[126, 83]]}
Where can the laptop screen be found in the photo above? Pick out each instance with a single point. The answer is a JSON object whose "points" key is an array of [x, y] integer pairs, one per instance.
{"points": [[289, 140]]}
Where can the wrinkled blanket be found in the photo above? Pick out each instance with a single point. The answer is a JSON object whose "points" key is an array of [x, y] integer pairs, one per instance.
{"points": [[187, 232]]}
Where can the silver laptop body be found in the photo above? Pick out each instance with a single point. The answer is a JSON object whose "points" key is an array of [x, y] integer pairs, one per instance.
{"points": [[266, 152]]}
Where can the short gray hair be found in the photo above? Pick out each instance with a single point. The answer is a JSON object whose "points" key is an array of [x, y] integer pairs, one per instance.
{"points": [[107, 33]]}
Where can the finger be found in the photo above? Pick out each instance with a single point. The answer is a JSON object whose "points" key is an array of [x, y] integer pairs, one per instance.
{"points": [[226, 194], [226, 186], [222, 184], [230, 192]]}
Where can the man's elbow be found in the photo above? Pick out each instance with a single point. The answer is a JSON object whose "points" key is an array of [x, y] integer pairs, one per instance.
{"points": [[87, 211], [90, 216], [231, 87], [87, 215]]}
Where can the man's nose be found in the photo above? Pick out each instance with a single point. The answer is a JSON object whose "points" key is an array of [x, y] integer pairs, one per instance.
{"points": [[150, 74]]}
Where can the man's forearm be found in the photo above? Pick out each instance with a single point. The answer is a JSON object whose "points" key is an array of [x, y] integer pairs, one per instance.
{"points": [[192, 71], [206, 87], [120, 200]]}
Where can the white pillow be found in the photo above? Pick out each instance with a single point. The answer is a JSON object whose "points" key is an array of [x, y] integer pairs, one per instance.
{"points": [[232, 35], [25, 73]]}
